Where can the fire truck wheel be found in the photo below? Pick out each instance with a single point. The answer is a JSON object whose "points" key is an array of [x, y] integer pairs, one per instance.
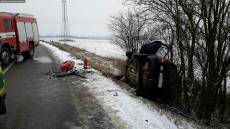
{"points": [[5, 56], [31, 51]]}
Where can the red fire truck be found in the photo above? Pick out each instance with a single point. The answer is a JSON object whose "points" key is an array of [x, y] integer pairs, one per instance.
{"points": [[18, 35]]}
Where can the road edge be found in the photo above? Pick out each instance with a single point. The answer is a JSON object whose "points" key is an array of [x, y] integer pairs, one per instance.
{"points": [[8, 68]]}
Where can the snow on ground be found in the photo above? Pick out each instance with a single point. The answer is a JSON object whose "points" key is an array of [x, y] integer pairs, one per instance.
{"points": [[62, 56], [99, 47], [43, 59], [133, 111], [128, 110]]}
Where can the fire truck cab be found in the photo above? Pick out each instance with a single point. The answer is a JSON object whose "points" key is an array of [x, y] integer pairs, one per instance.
{"points": [[18, 35]]}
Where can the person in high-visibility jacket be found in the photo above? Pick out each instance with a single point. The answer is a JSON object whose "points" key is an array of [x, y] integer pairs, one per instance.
{"points": [[2, 93]]}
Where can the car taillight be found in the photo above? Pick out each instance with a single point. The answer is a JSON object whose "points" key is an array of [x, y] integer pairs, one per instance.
{"points": [[161, 60]]}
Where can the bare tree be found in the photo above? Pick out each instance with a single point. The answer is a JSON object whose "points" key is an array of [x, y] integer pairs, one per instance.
{"points": [[199, 32], [128, 30]]}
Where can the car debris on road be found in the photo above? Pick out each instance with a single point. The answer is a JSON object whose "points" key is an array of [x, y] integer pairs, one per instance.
{"points": [[68, 68]]}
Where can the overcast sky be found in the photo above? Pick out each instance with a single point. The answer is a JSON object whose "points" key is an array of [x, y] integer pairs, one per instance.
{"points": [[86, 17]]}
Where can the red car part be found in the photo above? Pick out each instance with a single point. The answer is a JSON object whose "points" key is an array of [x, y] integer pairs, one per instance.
{"points": [[67, 66]]}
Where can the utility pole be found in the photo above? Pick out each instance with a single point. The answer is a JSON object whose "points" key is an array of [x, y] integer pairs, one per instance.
{"points": [[65, 33]]}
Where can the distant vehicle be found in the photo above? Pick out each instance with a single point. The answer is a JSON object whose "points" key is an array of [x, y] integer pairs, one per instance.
{"points": [[18, 35]]}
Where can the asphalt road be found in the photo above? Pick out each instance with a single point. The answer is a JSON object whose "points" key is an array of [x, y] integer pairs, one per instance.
{"points": [[35, 100]]}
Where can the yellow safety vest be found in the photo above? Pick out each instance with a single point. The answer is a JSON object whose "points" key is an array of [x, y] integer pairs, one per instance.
{"points": [[2, 82]]}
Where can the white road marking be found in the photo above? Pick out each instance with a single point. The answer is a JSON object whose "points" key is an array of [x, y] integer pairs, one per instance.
{"points": [[8, 68]]}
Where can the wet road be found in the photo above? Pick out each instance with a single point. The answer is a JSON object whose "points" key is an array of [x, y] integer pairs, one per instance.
{"points": [[35, 100]]}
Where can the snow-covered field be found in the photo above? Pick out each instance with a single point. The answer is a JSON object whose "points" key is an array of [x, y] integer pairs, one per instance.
{"points": [[124, 108], [99, 47]]}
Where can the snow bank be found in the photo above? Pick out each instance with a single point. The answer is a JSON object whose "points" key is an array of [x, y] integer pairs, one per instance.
{"points": [[62, 56], [131, 111], [99, 47]]}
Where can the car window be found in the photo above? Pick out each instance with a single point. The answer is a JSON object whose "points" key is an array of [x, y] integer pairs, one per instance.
{"points": [[162, 52]]}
